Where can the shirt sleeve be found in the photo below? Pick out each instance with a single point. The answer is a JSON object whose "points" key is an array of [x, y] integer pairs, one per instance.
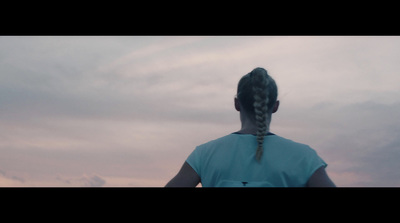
{"points": [[194, 160]]}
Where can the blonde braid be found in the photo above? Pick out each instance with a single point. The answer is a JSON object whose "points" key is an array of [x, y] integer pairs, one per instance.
{"points": [[260, 82], [257, 93]]}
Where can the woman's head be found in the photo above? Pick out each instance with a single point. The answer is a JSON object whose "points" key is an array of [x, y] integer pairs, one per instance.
{"points": [[257, 93]]}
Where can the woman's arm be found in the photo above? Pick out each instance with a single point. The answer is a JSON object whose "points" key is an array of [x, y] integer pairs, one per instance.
{"points": [[320, 179], [186, 177]]}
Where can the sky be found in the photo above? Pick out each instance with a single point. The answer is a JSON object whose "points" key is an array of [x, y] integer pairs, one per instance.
{"points": [[127, 110]]}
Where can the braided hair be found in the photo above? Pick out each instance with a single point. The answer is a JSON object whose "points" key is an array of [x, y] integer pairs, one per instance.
{"points": [[257, 93]]}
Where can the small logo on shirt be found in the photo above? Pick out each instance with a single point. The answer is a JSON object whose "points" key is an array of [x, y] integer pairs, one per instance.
{"points": [[244, 183]]}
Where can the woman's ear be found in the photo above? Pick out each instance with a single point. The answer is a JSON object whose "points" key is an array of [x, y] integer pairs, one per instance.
{"points": [[276, 106], [237, 104]]}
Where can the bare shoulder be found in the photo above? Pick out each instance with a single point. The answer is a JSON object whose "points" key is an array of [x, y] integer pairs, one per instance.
{"points": [[186, 177], [320, 179]]}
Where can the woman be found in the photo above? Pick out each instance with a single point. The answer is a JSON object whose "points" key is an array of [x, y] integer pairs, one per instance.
{"points": [[253, 156]]}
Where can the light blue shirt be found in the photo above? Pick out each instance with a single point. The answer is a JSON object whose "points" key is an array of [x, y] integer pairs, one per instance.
{"points": [[230, 161]]}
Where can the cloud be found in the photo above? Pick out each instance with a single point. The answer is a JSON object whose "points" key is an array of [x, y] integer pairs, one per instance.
{"points": [[92, 181], [7, 180], [375, 131], [359, 141], [84, 181], [59, 86]]}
